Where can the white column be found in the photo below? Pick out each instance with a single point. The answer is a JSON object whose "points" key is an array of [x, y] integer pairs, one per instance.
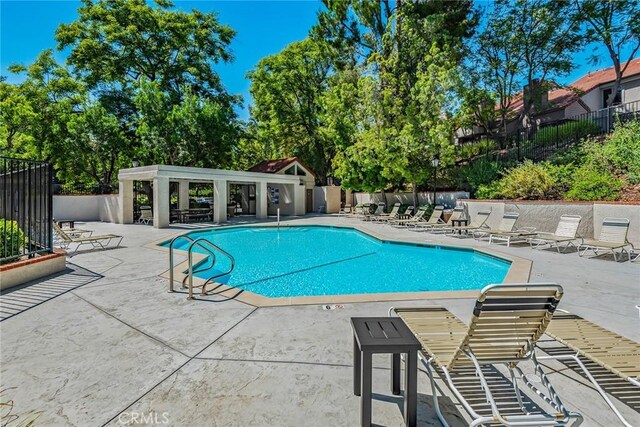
{"points": [[161, 202], [299, 196], [125, 194], [183, 195], [348, 197], [219, 200], [261, 200]]}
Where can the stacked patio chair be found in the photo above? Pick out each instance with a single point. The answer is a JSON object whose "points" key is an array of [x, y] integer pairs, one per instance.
{"points": [[346, 210], [565, 233], [146, 215], [508, 320], [613, 235]]}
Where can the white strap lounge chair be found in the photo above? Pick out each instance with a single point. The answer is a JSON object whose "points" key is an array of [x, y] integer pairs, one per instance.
{"points": [[346, 210], [613, 235], [441, 226], [379, 211], [566, 233], [506, 225], [615, 353], [418, 218], [390, 215], [102, 241], [146, 215], [478, 222], [520, 235], [508, 320]]}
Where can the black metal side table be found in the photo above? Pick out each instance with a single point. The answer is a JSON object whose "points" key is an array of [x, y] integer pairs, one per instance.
{"points": [[384, 335]]}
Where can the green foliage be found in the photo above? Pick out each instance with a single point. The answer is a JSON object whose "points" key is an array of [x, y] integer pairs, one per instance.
{"points": [[620, 153], [473, 149], [288, 90], [12, 239], [590, 184], [488, 191], [575, 131], [528, 181], [471, 176]]}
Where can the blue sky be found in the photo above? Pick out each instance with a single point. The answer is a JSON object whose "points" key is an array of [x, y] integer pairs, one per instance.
{"points": [[263, 28]]}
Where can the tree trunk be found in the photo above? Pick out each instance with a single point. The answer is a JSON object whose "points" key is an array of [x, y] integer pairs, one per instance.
{"points": [[415, 194]]}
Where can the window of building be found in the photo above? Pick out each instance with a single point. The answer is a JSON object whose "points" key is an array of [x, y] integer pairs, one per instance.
{"points": [[607, 92]]}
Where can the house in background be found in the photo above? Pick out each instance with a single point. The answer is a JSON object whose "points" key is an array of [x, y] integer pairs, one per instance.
{"points": [[279, 196], [586, 98]]}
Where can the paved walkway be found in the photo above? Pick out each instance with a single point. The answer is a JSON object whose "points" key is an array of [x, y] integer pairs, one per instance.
{"points": [[120, 346]]}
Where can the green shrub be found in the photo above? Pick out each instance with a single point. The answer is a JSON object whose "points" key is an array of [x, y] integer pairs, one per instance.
{"points": [[488, 191], [622, 151], [472, 149], [590, 184], [11, 239], [528, 181], [570, 131], [479, 172]]}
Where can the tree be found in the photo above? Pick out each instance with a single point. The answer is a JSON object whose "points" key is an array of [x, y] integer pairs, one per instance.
{"points": [[548, 33], [493, 68], [153, 67], [195, 132], [95, 148], [615, 24], [287, 90], [16, 116]]}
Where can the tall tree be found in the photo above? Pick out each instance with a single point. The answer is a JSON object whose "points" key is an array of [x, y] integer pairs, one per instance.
{"points": [[287, 90], [548, 34], [119, 46], [616, 25]]}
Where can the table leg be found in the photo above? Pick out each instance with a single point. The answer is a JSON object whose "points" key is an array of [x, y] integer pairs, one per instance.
{"points": [[365, 398], [411, 389], [357, 357], [395, 373]]}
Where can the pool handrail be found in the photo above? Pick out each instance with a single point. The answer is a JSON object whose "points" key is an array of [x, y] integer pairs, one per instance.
{"points": [[198, 242]]}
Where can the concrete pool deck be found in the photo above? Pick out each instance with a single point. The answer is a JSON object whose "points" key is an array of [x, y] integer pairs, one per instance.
{"points": [[121, 346]]}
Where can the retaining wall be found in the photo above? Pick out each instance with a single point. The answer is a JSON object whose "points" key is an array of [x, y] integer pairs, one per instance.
{"points": [[87, 208]]}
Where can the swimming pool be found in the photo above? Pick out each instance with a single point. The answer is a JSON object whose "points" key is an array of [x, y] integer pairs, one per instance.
{"points": [[322, 260]]}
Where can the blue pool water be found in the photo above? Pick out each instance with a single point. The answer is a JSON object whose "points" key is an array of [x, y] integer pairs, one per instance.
{"points": [[316, 260]]}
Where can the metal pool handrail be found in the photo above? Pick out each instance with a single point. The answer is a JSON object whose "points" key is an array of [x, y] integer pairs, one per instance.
{"points": [[198, 242]]}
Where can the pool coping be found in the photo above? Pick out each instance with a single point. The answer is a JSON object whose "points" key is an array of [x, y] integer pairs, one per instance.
{"points": [[519, 272]]}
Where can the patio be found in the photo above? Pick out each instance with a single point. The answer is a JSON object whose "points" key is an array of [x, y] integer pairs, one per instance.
{"points": [[117, 345]]}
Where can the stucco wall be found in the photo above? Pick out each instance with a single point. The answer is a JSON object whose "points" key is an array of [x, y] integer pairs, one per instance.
{"points": [[631, 92], [544, 215], [327, 196], [446, 198], [285, 202], [87, 208]]}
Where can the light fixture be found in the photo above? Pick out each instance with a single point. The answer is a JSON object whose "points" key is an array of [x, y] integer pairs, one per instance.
{"points": [[435, 161], [135, 163]]}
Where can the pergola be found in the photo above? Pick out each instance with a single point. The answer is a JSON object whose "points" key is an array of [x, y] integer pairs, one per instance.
{"points": [[292, 189]]}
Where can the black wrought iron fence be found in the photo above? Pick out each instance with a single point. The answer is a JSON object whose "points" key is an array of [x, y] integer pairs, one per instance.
{"points": [[25, 208], [551, 139]]}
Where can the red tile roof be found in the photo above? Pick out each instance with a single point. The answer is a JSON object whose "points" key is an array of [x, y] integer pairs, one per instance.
{"points": [[276, 165], [563, 97]]}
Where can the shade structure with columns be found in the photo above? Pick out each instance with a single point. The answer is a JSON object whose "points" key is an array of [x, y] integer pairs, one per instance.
{"points": [[291, 190]]}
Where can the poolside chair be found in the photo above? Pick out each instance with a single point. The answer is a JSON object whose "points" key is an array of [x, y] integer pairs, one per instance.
{"points": [[615, 353], [101, 241], [507, 321], [613, 235], [520, 235], [566, 232], [409, 211], [419, 217], [146, 215], [441, 226], [346, 210], [358, 211], [390, 215], [379, 211], [506, 225], [478, 222]]}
